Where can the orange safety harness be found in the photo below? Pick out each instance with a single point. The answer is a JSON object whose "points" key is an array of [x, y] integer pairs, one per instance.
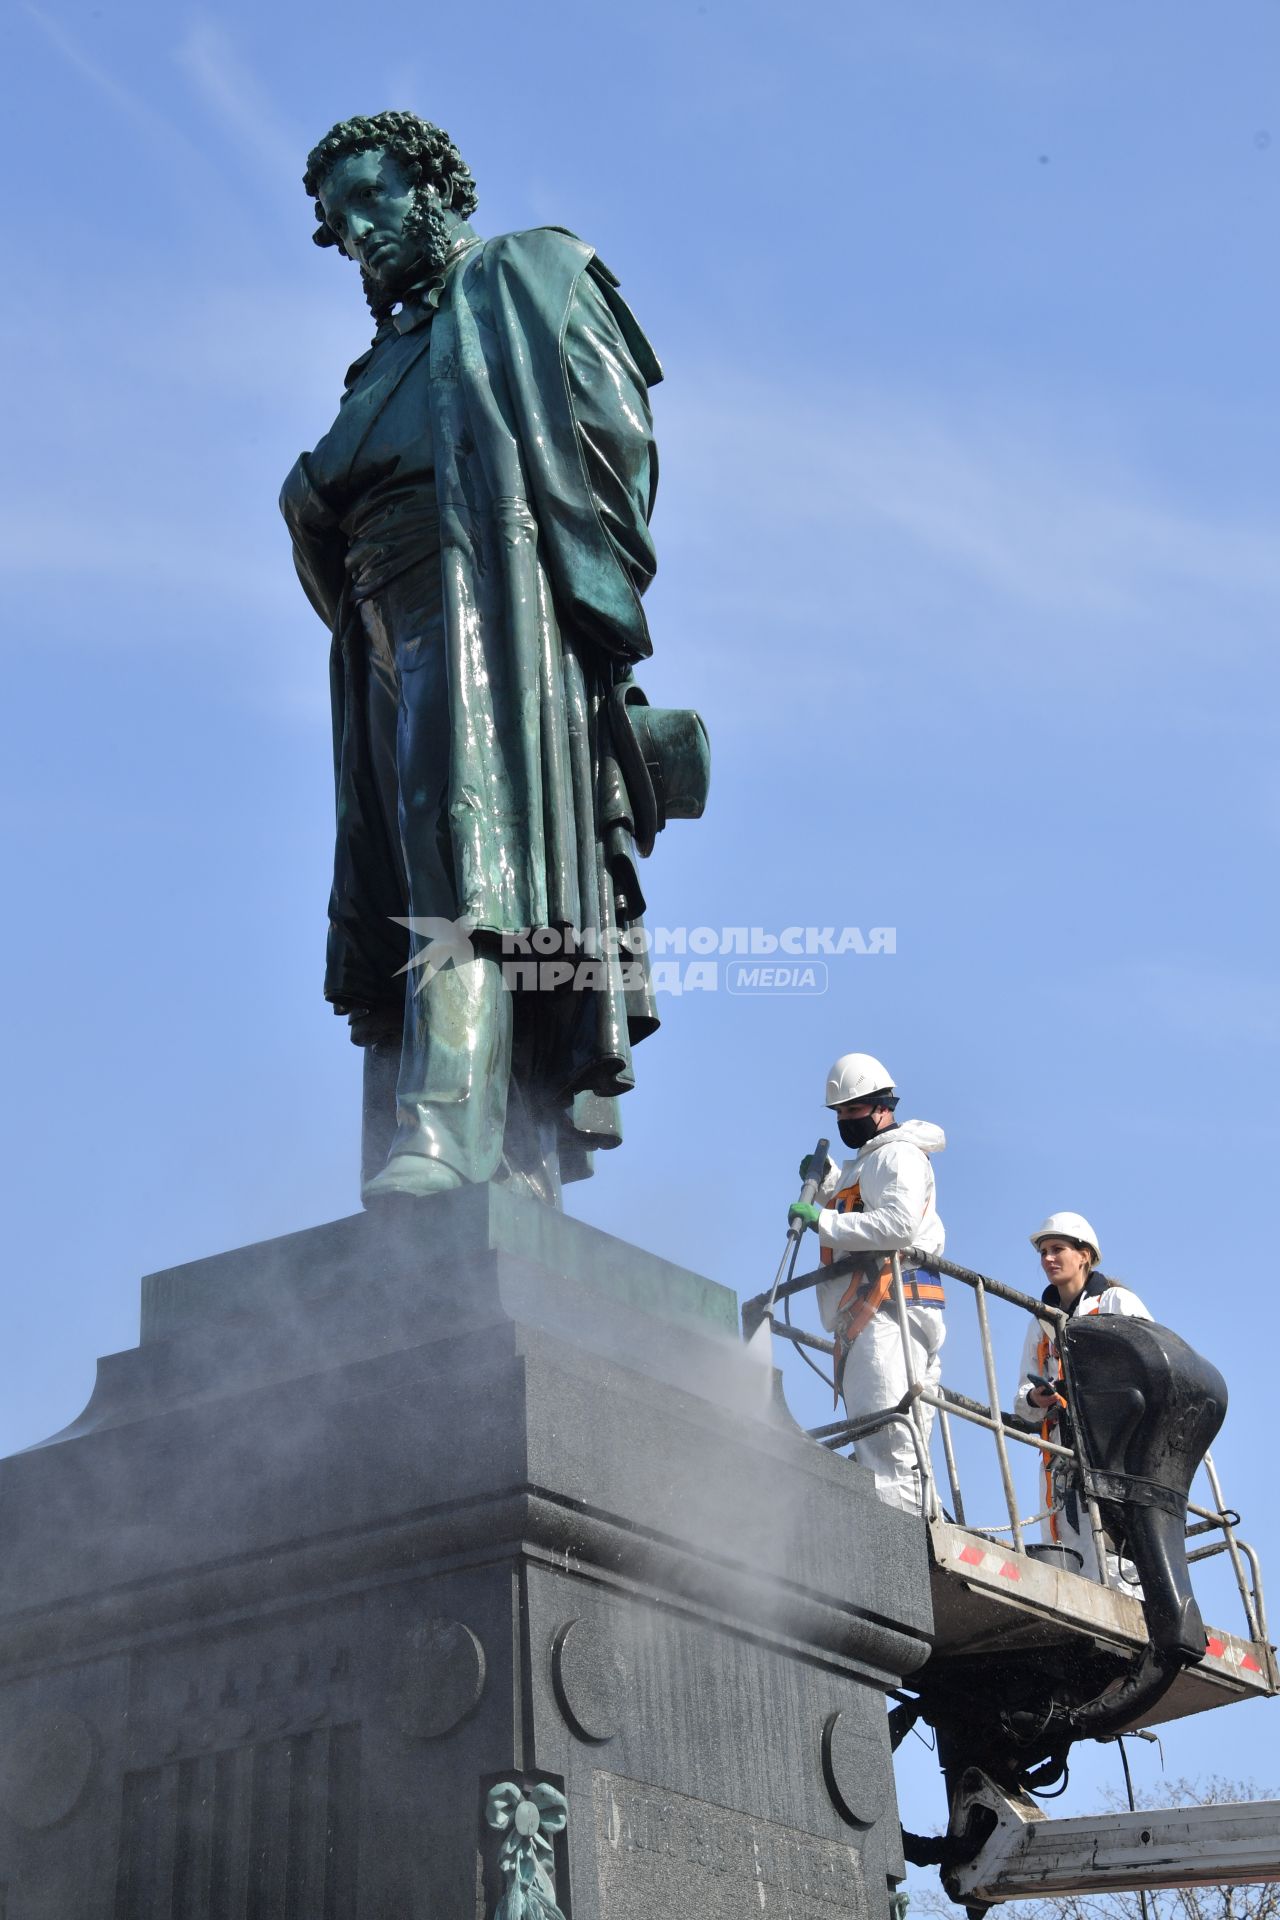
{"points": [[869, 1288], [1047, 1350]]}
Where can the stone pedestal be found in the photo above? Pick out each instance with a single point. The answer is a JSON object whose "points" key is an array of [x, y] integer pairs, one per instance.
{"points": [[384, 1515]]}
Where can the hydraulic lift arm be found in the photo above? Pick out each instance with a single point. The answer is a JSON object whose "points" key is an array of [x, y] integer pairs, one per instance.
{"points": [[1025, 1855]]}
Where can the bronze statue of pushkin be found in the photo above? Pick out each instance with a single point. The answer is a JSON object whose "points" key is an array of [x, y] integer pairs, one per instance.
{"points": [[474, 531]]}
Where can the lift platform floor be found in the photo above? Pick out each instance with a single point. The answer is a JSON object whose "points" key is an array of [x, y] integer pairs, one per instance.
{"points": [[987, 1597]]}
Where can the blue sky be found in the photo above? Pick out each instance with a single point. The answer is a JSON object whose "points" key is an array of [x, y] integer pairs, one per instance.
{"points": [[968, 553]]}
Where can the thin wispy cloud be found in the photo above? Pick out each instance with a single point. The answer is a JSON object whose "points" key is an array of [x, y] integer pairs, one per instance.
{"points": [[240, 103], [135, 109], [1016, 506]]}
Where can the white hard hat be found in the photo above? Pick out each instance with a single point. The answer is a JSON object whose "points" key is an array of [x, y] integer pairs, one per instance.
{"points": [[855, 1076], [1068, 1226]]}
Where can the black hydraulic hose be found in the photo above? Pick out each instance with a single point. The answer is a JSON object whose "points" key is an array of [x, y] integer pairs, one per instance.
{"points": [[950, 1849], [901, 1720], [1040, 1779], [1146, 1683], [936, 1850]]}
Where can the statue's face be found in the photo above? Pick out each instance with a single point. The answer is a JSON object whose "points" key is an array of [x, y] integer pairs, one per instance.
{"points": [[368, 201]]}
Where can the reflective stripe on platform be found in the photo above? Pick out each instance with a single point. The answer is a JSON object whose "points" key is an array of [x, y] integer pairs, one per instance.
{"points": [[974, 1556]]}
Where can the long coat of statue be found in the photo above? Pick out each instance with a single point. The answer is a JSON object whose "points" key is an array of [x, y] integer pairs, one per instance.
{"points": [[530, 376]]}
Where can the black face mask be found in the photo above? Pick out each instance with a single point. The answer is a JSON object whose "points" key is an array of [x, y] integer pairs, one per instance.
{"points": [[856, 1133]]}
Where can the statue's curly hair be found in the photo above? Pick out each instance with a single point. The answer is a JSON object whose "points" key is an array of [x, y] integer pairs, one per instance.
{"points": [[427, 150]]}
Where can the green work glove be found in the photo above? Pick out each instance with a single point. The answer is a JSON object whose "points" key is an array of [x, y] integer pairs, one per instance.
{"points": [[801, 1211]]}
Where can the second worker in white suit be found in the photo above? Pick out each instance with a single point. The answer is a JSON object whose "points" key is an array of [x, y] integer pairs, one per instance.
{"points": [[880, 1202]]}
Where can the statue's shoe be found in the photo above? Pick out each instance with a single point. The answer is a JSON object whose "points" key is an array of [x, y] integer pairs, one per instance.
{"points": [[411, 1176]]}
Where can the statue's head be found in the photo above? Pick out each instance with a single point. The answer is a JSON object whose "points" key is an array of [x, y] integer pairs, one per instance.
{"points": [[389, 189]]}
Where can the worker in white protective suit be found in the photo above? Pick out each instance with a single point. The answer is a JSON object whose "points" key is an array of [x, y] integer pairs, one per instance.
{"points": [[880, 1202], [1070, 1258]]}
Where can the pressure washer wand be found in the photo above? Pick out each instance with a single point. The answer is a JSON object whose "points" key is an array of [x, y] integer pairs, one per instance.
{"points": [[795, 1233]]}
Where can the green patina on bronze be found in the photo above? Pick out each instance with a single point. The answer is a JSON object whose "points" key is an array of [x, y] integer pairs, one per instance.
{"points": [[526, 1820], [474, 530]]}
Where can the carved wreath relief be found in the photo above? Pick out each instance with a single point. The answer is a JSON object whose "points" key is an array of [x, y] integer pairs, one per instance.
{"points": [[526, 1819]]}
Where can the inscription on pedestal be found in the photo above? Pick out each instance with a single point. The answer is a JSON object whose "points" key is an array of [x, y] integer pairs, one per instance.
{"points": [[662, 1853]]}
